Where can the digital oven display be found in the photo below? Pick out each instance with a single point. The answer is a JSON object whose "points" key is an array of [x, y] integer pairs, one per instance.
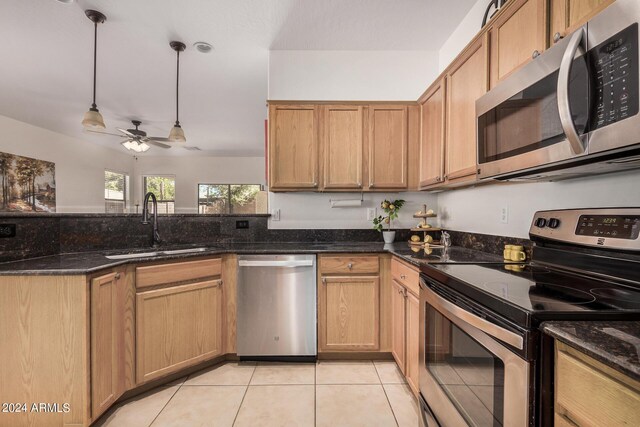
{"points": [[619, 227]]}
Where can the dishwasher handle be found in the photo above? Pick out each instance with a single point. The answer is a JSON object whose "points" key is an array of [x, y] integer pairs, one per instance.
{"points": [[284, 263]]}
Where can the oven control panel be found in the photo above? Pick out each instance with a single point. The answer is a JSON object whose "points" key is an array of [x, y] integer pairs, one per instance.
{"points": [[611, 228], [615, 70]]}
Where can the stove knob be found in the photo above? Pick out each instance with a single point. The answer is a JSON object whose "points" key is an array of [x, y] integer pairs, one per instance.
{"points": [[541, 222], [554, 223]]}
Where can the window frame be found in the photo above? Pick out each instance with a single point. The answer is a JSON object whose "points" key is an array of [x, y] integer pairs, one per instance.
{"points": [[262, 188], [126, 199], [144, 189]]}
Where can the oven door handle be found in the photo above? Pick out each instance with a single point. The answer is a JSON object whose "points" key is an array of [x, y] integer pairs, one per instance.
{"points": [[564, 105], [447, 307]]}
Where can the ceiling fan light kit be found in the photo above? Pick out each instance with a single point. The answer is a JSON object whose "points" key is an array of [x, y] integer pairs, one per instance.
{"points": [[177, 134], [93, 119]]}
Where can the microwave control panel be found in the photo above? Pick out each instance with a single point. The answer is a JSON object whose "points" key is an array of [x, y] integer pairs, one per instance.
{"points": [[614, 65]]}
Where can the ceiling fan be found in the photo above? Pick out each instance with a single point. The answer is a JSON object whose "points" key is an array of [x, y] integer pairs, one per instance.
{"points": [[136, 139]]}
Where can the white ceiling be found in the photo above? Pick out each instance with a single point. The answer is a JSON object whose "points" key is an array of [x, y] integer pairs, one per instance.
{"points": [[46, 64]]}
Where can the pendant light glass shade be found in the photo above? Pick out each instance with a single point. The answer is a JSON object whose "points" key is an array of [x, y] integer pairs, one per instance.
{"points": [[138, 147], [177, 134], [92, 119]]}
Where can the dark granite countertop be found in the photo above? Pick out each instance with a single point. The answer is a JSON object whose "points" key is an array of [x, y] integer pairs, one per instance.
{"points": [[89, 262], [614, 343]]}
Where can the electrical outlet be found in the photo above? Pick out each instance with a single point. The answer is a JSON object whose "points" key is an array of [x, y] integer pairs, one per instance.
{"points": [[504, 215], [7, 230], [243, 223], [371, 213], [275, 215]]}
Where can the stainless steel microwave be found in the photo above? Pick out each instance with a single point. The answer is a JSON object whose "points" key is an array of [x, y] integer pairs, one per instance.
{"points": [[572, 111]]}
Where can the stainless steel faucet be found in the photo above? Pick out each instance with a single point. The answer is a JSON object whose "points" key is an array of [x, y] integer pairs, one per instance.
{"points": [[155, 236]]}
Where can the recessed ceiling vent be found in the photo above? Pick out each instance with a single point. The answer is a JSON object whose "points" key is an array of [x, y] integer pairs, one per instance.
{"points": [[193, 148]]}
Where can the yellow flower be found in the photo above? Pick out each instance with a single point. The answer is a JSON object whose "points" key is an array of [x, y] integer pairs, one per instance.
{"points": [[386, 220], [385, 205], [392, 207]]}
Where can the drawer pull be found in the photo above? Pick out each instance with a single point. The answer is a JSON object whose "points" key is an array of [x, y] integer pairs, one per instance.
{"points": [[402, 276], [117, 276], [350, 266]]}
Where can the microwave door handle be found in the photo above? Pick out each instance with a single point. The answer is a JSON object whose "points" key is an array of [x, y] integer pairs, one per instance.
{"points": [[564, 106]]}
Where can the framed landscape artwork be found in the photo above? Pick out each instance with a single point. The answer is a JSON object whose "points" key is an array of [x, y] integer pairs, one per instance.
{"points": [[28, 185]]}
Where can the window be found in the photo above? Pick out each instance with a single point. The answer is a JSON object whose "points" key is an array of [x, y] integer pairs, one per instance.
{"points": [[164, 188], [116, 192], [231, 199]]}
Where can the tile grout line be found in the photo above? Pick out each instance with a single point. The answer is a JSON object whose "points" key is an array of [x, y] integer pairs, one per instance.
{"points": [[384, 390], [246, 390], [165, 405]]}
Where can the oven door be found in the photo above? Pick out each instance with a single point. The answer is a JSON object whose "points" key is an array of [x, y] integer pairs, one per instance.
{"points": [[468, 377], [538, 115]]}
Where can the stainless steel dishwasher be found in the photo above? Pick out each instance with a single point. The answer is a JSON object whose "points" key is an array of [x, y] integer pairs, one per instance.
{"points": [[276, 307]]}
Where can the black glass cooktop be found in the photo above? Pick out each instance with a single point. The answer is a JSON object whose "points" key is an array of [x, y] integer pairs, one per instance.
{"points": [[531, 294]]}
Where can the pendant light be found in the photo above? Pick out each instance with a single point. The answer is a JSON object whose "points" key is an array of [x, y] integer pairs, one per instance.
{"points": [[177, 134], [93, 119]]}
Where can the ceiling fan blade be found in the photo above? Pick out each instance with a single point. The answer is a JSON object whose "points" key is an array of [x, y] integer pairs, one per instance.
{"points": [[126, 132], [158, 138], [157, 144], [103, 133]]}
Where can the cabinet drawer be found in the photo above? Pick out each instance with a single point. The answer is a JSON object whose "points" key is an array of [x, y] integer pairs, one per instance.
{"points": [[349, 264], [406, 275], [161, 274], [588, 396]]}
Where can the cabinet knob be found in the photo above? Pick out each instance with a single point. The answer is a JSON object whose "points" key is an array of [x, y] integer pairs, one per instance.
{"points": [[315, 184], [350, 266], [535, 54], [324, 280], [402, 276], [359, 185], [557, 37], [117, 276]]}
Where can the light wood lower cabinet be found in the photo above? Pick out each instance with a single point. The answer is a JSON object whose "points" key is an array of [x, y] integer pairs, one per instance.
{"points": [[112, 338], [398, 329], [177, 327], [349, 313], [405, 320], [589, 393]]}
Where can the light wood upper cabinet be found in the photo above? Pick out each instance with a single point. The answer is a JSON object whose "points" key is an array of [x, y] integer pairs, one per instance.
{"points": [[293, 147], [349, 313], [388, 147], [112, 338], [398, 315], [432, 110], [466, 82], [177, 327], [568, 15], [517, 36], [343, 144]]}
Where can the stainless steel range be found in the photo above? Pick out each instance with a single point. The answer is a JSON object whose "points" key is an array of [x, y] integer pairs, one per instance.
{"points": [[483, 361]]}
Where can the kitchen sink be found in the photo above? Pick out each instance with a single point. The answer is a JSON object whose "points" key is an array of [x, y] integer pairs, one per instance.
{"points": [[133, 255]]}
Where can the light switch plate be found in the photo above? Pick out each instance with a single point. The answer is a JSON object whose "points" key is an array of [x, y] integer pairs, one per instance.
{"points": [[504, 215], [371, 213], [275, 215]]}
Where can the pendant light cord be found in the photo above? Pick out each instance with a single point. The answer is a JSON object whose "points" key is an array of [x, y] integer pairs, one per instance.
{"points": [[177, 85], [95, 59]]}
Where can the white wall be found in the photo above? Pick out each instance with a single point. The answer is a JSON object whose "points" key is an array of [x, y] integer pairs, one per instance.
{"points": [[191, 171], [350, 75], [313, 210], [80, 165], [478, 209], [462, 35]]}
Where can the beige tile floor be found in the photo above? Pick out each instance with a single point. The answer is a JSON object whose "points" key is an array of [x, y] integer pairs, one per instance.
{"points": [[327, 393]]}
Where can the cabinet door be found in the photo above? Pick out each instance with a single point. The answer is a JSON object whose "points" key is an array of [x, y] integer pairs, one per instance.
{"points": [[349, 313], [398, 316], [516, 35], [343, 145], [105, 343], [432, 136], [568, 15], [177, 327], [293, 147], [466, 82], [388, 146], [413, 338]]}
